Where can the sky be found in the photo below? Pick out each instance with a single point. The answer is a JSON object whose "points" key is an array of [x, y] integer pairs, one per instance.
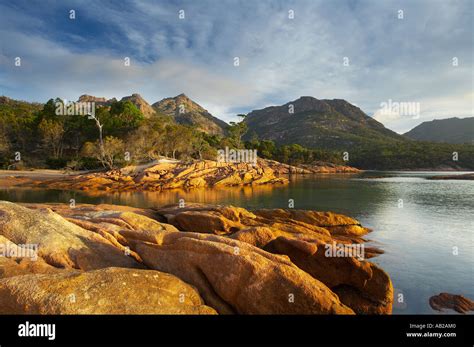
{"points": [[371, 53]]}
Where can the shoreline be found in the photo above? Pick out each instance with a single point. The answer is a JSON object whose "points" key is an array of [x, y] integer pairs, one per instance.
{"points": [[167, 174], [44, 173], [99, 182]]}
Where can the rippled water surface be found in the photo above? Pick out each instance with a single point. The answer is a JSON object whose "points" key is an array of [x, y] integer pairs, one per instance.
{"points": [[425, 227]]}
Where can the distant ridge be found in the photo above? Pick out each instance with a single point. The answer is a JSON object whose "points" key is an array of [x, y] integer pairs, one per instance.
{"points": [[449, 130]]}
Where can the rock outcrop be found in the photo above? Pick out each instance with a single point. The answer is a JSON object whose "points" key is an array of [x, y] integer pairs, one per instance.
{"points": [[59, 242], [235, 277], [304, 236], [104, 291], [260, 224], [317, 167], [15, 266], [118, 259], [361, 285], [169, 175], [457, 303], [172, 174], [99, 101]]}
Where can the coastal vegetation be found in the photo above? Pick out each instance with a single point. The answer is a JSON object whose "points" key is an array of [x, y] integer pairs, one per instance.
{"points": [[130, 131], [117, 135]]}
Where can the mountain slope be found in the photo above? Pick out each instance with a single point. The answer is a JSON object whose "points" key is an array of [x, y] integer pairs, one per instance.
{"points": [[19, 106], [450, 130], [141, 104], [185, 111], [332, 124]]}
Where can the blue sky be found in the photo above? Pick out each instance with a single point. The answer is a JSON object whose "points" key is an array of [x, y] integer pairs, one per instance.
{"points": [[403, 60]]}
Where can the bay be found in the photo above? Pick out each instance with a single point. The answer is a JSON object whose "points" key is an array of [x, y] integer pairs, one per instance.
{"points": [[425, 227]]}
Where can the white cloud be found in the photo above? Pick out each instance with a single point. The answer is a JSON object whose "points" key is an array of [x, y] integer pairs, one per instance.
{"points": [[281, 59]]}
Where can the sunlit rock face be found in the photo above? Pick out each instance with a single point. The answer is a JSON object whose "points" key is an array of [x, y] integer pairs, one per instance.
{"points": [[184, 259]]}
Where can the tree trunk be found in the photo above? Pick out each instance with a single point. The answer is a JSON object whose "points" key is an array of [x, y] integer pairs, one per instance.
{"points": [[101, 140]]}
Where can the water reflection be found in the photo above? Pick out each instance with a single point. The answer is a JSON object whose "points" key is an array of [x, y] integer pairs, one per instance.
{"points": [[418, 238]]}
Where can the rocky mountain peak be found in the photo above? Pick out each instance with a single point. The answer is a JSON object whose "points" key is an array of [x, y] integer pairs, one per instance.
{"points": [[186, 111], [183, 96], [134, 97], [141, 104], [178, 104], [4, 100], [309, 103], [91, 98]]}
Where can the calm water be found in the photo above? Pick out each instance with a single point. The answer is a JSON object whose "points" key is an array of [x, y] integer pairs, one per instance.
{"points": [[420, 233]]}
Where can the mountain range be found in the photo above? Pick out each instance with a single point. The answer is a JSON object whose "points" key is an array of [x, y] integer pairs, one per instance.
{"points": [[310, 122], [181, 108], [330, 124]]}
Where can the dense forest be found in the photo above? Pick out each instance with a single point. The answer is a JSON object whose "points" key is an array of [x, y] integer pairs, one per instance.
{"points": [[410, 155], [35, 136]]}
